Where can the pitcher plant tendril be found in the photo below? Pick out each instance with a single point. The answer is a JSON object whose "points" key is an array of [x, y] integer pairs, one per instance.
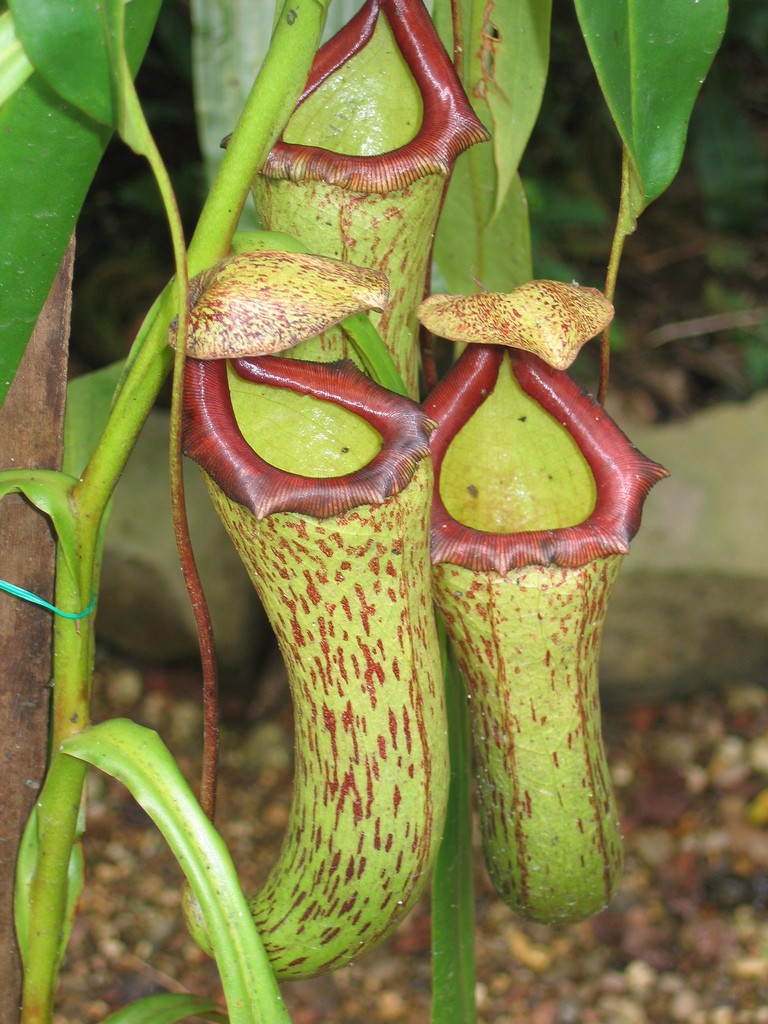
{"points": [[341, 564], [537, 495]]}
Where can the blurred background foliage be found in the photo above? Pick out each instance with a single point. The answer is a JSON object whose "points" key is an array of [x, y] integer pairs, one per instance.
{"points": [[692, 314]]}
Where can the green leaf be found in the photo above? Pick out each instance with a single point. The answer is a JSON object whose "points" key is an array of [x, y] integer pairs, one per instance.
{"points": [[508, 48], [167, 1009], [52, 34], [506, 53], [651, 57], [15, 67], [49, 491], [38, 209], [137, 757], [475, 249]]}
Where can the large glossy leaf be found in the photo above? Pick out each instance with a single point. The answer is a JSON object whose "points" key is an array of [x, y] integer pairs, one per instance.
{"points": [[38, 208], [52, 33], [651, 57]]}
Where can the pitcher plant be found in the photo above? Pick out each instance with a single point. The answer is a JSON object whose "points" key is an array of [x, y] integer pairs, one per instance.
{"points": [[386, 539]]}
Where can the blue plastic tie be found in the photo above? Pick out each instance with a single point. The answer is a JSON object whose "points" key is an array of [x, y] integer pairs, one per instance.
{"points": [[26, 595]]}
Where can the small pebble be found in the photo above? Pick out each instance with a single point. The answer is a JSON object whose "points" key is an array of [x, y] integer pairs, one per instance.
{"points": [[622, 1010], [683, 1004], [722, 1015], [757, 755], [655, 845], [729, 766], [641, 977], [749, 968], [124, 686], [390, 1006], [534, 957], [696, 778]]}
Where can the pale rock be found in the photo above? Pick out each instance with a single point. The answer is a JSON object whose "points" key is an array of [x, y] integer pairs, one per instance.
{"points": [[690, 608], [144, 610]]}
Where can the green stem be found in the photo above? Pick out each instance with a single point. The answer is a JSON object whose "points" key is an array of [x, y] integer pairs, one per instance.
{"points": [[624, 226], [453, 908], [58, 808]]}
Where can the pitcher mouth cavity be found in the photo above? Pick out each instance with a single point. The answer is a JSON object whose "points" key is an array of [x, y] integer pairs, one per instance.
{"points": [[448, 126], [213, 438], [623, 476]]}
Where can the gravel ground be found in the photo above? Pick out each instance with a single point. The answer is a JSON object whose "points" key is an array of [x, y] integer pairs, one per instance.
{"points": [[686, 939]]}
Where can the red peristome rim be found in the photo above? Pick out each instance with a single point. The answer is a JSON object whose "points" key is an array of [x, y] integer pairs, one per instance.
{"points": [[213, 439], [623, 475], [449, 125]]}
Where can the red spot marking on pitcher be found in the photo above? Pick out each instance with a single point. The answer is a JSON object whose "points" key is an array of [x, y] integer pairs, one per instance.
{"points": [[312, 592], [407, 730], [366, 610], [329, 718], [349, 874], [348, 787], [393, 728]]}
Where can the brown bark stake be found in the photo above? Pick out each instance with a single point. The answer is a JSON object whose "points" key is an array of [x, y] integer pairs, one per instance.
{"points": [[31, 431]]}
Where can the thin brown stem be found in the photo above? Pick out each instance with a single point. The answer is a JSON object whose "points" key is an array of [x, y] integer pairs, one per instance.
{"points": [[457, 24]]}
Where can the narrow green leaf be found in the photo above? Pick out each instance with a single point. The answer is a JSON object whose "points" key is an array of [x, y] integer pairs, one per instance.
{"points": [[167, 1009], [651, 57], [474, 249], [508, 56], [52, 33], [453, 902], [137, 757], [38, 209]]}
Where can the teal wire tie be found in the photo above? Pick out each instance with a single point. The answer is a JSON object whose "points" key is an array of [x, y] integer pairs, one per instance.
{"points": [[26, 595]]}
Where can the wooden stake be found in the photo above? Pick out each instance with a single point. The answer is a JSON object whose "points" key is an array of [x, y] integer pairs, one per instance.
{"points": [[31, 434]]}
